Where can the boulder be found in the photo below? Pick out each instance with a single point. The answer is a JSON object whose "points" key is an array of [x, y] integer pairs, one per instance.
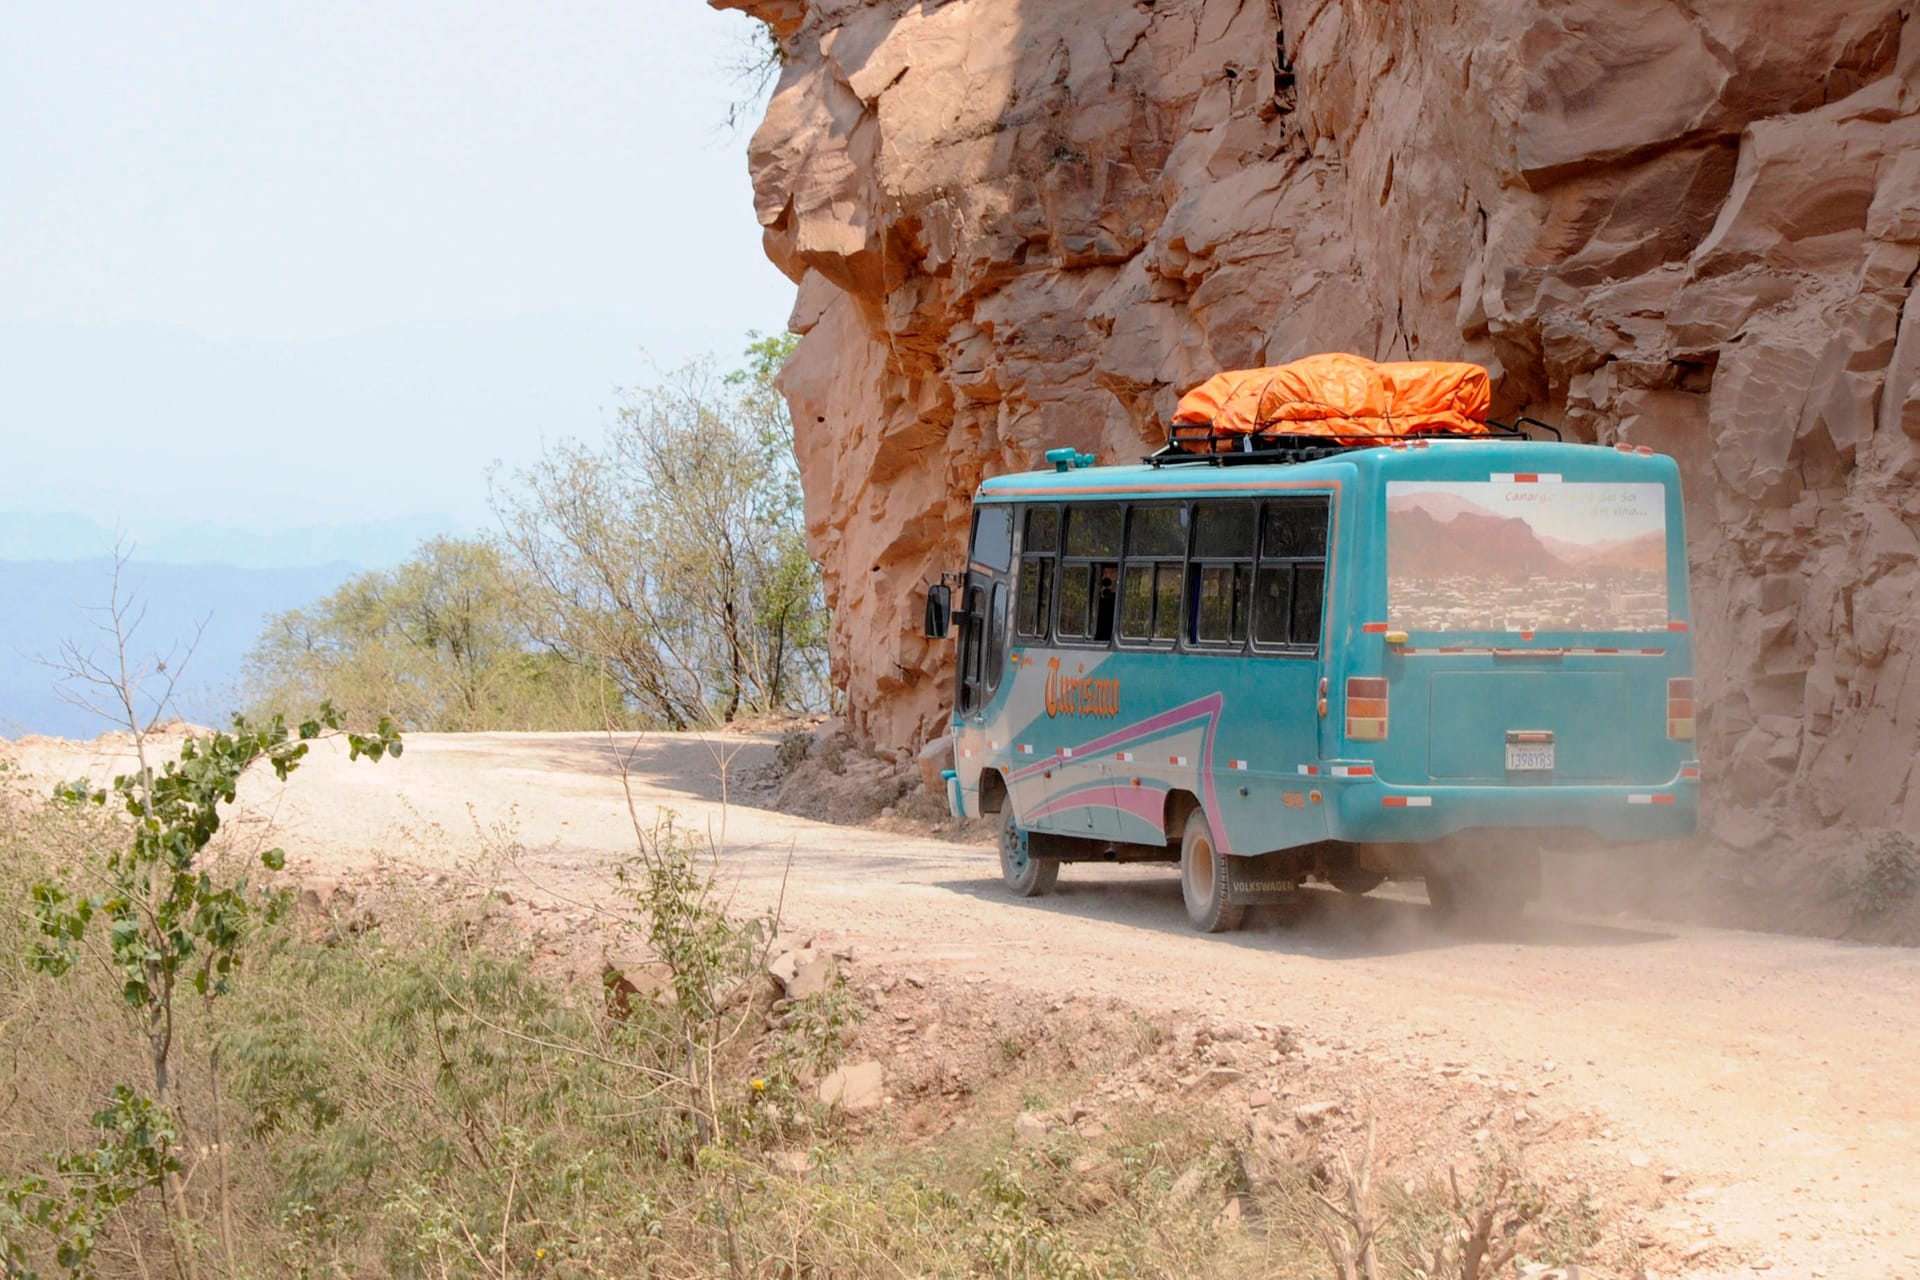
{"points": [[803, 972], [933, 759], [629, 979], [857, 1089], [1031, 1130]]}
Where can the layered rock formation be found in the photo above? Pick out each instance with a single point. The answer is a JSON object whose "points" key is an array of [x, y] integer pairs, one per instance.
{"points": [[1691, 224]]}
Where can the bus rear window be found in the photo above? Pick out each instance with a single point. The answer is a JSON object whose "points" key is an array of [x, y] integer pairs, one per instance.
{"points": [[1481, 555]]}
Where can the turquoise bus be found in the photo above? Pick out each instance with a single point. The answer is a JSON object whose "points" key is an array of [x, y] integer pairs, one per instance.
{"points": [[1308, 663]]}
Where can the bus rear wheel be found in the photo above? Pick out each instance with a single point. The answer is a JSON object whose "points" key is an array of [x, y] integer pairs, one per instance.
{"points": [[1206, 879], [1026, 875]]}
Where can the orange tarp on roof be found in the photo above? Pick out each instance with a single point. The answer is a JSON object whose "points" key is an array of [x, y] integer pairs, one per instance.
{"points": [[1345, 396]]}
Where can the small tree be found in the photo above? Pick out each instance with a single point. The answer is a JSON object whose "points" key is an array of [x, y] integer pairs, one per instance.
{"points": [[167, 920], [436, 642], [673, 556]]}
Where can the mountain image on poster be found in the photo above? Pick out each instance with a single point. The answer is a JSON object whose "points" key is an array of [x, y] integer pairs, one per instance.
{"points": [[1490, 555]]}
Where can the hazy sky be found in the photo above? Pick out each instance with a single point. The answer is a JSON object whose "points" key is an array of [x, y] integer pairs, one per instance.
{"points": [[261, 262]]}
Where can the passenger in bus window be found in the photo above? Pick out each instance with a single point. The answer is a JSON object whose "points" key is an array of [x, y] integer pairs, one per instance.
{"points": [[1103, 620]]}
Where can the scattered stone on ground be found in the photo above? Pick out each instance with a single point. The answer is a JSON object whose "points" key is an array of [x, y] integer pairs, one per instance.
{"points": [[858, 1088]]}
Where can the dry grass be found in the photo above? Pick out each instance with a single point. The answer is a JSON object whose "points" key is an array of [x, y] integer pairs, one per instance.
{"points": [[400, 1094]]}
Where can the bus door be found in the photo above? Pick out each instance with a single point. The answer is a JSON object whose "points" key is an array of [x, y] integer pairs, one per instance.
{"points": [[983, 618], [1290, 653]]}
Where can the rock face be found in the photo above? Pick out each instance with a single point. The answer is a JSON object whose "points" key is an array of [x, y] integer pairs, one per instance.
{"points": [[1018, 225]]}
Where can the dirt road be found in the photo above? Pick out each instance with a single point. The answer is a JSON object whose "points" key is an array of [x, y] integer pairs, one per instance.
{"points": [[1772, 1081]]}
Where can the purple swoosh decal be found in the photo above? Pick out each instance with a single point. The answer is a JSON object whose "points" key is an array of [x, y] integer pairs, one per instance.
{"points": [[1208, 708]]}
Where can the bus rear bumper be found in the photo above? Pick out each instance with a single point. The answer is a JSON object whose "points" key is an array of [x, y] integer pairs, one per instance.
{"points": [[1376, 811]]}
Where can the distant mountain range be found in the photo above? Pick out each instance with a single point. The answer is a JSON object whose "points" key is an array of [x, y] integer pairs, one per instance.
{"points": [[1438, 534], [46, 603], [55, 567], [1421, 546], [1644, 551], [371, 543]]}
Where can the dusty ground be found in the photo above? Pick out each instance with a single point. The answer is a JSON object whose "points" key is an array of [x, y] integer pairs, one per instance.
{"points": [[1736, 1102]]}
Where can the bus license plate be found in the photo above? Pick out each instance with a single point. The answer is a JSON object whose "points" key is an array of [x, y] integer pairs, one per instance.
{"points": [[1529, 756]]}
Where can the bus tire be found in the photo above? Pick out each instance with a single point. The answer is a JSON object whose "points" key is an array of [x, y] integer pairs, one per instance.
{"points": [[1026, 875], [1206, 879]]}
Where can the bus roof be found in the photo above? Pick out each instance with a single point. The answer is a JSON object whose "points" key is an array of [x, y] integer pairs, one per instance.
{"points": [[1438, 459]]}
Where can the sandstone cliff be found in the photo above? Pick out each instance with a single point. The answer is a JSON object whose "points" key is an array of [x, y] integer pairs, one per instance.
{"points": [[1691, 224]]}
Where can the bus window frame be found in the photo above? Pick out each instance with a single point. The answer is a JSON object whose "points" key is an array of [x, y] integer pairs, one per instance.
{"points": [[1293, 648], [1022, 560], [998, 640], [981, 513], [1190, 641], [971, 697], [1061, 561], [1129, 561]]}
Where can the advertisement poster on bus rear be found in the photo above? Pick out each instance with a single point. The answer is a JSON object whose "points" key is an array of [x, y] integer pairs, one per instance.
{"points": [[1529, 554]]}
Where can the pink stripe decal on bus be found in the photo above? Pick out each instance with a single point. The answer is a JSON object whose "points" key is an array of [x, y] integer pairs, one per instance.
{"points": [[1207, 710], [1149, 805]]}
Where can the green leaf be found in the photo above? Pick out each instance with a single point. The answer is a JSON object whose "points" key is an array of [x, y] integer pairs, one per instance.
{"points": [[274, 859]]}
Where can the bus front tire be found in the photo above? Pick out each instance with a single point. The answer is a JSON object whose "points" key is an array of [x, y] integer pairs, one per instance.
{"points": [[1026, 875], [1206, 879]]}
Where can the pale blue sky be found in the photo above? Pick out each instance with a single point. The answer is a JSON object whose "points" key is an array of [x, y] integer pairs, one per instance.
{"points": [[272, 262]]}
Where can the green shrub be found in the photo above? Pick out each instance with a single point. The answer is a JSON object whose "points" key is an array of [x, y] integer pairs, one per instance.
{"points": [[1887, 881]]}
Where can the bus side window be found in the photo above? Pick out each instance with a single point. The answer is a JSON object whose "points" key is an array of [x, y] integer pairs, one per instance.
{"points": [[1089, 566], [993, 538], [1033, 603], [1291, 589], [971, 649], [1151, 575], [1222, 588], [996, 659]]}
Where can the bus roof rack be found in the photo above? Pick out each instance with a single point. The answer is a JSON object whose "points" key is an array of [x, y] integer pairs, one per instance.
{"points": [[1199, 443]]}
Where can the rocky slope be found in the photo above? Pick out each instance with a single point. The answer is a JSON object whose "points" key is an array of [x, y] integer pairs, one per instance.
{"points": [[1691, 224]]}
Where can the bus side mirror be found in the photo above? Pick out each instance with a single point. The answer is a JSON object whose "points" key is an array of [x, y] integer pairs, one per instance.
{"points": [[939, 611]]}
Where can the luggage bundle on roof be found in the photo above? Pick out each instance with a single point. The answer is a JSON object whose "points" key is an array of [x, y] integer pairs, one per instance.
{"points": [[1340, 399]]}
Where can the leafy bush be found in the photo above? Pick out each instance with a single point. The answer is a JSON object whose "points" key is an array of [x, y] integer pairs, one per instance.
{"points": [[792, 749], [672, 555], [435, 642], [1888, 880]]}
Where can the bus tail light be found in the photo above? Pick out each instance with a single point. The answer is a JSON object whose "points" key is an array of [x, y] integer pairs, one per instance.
{"points": [[1680, 710], [1366, 709]]}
